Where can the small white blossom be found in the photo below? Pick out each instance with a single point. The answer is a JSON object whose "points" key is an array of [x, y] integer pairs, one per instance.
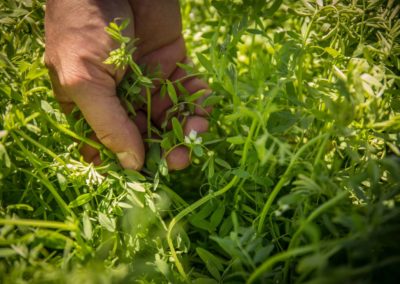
{"points": [[193, 135], [192, 138], [198, 140], [284, 207]]}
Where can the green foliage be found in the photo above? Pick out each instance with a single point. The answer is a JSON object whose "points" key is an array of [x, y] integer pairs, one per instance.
{"points": [[297, 180]]}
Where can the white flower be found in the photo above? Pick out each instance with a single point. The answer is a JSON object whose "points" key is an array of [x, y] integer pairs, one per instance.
{"points": [[198, 140], [192, 138], [193, 135]]}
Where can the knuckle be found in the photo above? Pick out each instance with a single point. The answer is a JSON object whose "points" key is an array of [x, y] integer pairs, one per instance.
{"points": [[106, 137], [68, 76], [71, 79]]}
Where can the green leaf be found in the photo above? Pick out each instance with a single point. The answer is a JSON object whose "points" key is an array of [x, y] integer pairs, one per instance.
{"points": [[136, 186], [163, 90], [236, 140], [177, 128], [255, 31], [51, 239], [7, 252], [166, 143], [274, 7], [134, 175], [225, 227], [113, 26], [217, 215], [124, 205], [228, 245], [87, 226], [145, 81], [261, 150], [211, 100], [163, 167], [80, 200], [262, 253], [162, 266], [106, 222], [198, 219], [132, 197], [211, 170], [223, 163], [195, 96], [182, 90], [62, 181], [136, 69], [25, 207], [46, 106], [311, 262], [205, 62], [114, 34], [198, 151], [36, 73], [124, 24], [4, 158], [172, 92], [334, 53], [213, 264]]}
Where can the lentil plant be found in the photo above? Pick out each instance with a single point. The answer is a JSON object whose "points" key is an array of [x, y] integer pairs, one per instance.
{"points": [[297, 180]]}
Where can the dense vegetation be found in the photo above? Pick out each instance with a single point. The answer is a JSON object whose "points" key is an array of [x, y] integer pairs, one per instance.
{"points": [[297, 181]]}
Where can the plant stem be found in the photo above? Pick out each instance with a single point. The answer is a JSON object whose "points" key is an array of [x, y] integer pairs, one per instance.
{"points": [[46, 150], [285, 177], [39, 223], [44, 180], [313, 215], [148, 95], [72, 134], [279, 257], [185, 212]]}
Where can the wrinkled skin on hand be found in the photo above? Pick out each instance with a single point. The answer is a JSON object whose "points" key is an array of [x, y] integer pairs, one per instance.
{"points": [[77, 45]]}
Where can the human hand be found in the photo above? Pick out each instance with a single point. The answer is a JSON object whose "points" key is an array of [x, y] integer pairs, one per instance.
{"points": [[76, 47]]}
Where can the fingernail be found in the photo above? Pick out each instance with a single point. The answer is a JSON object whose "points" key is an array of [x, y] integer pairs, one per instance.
{"points": [[129, 160]]}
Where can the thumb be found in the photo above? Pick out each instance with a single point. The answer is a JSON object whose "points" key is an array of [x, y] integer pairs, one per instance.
{"points": [[99, 104]]}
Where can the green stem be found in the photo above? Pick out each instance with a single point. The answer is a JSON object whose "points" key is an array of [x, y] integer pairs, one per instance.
{"points": [[39, 223], [269, 263], [40, 146], [44, 180], [285, 177], [148, 94], [319, 154], [313, 215], [205, 199], [185, 212], [248, 142], [36, 89], [244, 156], [72, 134], [172, 148], [173, 195]]}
